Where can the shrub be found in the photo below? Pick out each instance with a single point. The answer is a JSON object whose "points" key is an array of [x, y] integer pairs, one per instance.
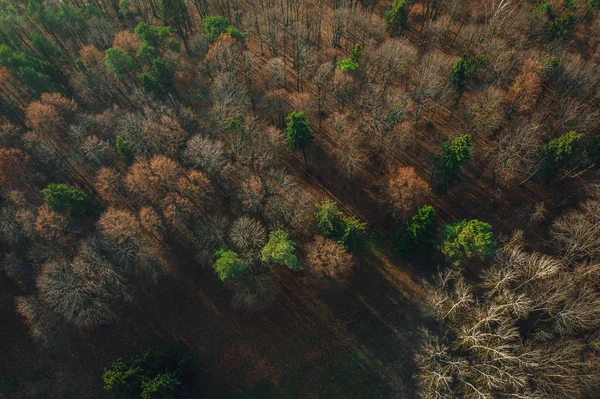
{"points": [[280, 250], [416, 236], [62, 197], [463, 241], [228, 265]]}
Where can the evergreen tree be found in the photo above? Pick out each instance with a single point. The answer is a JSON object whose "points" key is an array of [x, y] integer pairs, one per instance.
{"points": [[298, 132], [280, 250], [463, 241], [396, 17]]}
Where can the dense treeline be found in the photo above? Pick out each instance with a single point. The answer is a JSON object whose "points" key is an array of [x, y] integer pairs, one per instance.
{"points": [[250, 141]]}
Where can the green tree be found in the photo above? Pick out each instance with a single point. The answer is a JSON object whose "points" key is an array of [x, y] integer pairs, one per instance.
{"points": [[280, 250], [161, 386], [354, 231], [214, 27], [595, 4], [152, 374], [298, 133], [228, 265], [118, 62], [344, 230], [466, 240], [152, 34], [561, 152], [464, 70], [160, 83], [124, 149], [416, 236], [396, 17], [561, 27], [175, 14], [448, 166], [330, 222], [62, 197]]}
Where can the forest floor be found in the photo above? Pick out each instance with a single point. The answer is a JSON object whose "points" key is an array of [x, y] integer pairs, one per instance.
{"points": [[356, 343]]}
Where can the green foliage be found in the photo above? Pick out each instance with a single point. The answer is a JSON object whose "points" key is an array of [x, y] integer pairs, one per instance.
{"points": [[37, 75], [62, 197], [298, 131], [160, 82], [448, 166], [233, 124], [356, 53], [330, 222], [396, 17], [228, 264], [44, 46], [174, 13], [175, 45], [160, 386], [124, 149], [146, 53], [215, 27], [570, 4], [416, 236], [344, 230], [354, 231], [280, 250], [151, 34], [456, 151], [545, 9], [561, 152], [118, 62], [595, 4], [561, 27], [464, 70], [347, 65], [350, 64], [463, 241], [236, 34], [152, 374]]}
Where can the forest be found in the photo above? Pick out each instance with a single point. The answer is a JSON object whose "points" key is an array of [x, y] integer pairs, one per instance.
{"points": [[299, 199]]}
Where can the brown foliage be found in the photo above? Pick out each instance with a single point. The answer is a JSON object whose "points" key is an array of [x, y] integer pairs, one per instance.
{"points": [[126, 40], [163, 135], [50, 225], [119, 225], [406, 192], [50, 111], [151, 222], [14, 167], [109, 185], [152, 178], [91, 56], [524, 92], [328, 260]]}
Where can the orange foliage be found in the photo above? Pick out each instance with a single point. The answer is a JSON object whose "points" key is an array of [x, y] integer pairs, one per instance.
{"points": [[126, 40], [406, 192], [327, 259], [91, 56], [527, 87]]}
